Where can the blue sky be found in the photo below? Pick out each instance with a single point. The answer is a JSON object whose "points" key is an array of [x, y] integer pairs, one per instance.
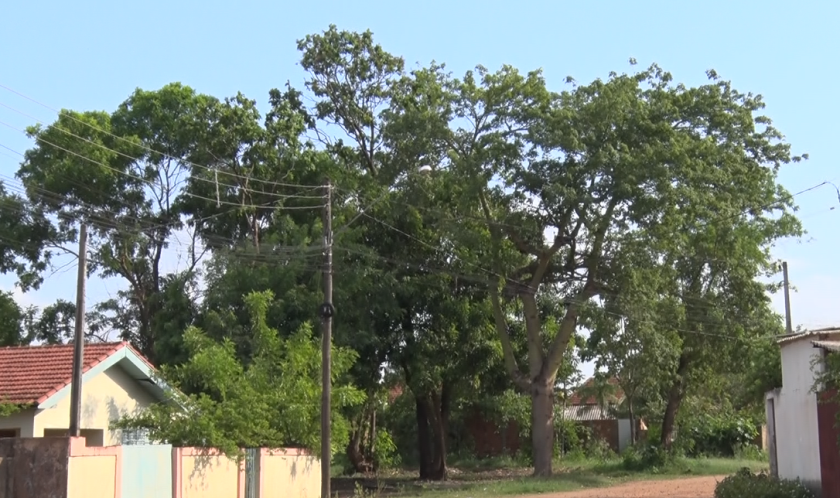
{"points": [[88, 54]]}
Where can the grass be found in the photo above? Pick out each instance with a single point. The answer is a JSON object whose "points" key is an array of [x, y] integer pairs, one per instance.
{"points": [[495, 478]]}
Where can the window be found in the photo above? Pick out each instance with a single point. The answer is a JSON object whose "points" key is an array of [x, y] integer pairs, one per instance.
{"points": [[135, 436], [4, 433]]}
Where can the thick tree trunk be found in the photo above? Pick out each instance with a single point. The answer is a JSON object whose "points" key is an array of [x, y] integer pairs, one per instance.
{"points": [[424, 445], [675, 397], [542, 428], [439, 405]]}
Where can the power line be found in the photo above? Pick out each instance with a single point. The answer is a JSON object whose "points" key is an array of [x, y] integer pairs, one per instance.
{"points": [[137, 159], [207, 168]]}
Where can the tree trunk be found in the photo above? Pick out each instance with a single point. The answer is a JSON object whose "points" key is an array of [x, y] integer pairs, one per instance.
{"points": [[355, 448], [675, 397], [424, 446], [354, 451], [439, 407], [632, 420], [542, 428]]}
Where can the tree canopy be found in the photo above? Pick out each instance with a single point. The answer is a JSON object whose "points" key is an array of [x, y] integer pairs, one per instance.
{"points": [[634, 208]]}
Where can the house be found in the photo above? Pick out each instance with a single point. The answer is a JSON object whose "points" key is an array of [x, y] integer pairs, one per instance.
{"points": [[117, 381], [801, 430], [600, 414]]}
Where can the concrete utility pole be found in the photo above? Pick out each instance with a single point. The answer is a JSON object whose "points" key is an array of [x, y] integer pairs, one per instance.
{"points": [[788, 322], [79, 337], [327, 311]]}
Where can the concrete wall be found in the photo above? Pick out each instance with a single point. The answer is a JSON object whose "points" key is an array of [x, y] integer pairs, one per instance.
{"points": [[795, 406], [33, 468], [289, 474], [139, 462], [67, 468], [94, 472], [106, 397], [205, 473]]}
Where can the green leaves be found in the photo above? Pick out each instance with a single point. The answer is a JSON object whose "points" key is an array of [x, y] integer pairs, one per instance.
{"points": [[273, 401], [11, 321]]}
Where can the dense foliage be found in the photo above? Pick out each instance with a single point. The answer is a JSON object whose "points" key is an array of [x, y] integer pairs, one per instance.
{"points": [[745, 483], [483, 222], [273, 401]]}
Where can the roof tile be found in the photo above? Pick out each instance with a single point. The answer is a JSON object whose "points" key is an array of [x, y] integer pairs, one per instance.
{"points": [[31, 374]]}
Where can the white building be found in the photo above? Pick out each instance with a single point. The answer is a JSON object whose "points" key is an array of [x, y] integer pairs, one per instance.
{"points": [[793, 413]]}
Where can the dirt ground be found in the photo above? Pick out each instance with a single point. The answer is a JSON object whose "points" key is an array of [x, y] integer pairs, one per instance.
{"points": [[694, 487]]}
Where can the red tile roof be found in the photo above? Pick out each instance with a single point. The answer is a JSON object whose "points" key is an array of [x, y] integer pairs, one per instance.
{"points": [[31, 374], [615, 393]]}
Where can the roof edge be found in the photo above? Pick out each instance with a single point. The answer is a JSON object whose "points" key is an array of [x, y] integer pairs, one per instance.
{"points": [[124, 352]]}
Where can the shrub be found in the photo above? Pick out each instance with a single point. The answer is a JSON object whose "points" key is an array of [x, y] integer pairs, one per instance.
{"points": [[646, 457], [746, 484], [716, 435]]}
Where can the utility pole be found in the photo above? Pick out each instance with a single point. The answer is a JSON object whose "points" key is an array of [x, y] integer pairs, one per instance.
{"points": [[327, 311], [79, 337], [788, 323]]}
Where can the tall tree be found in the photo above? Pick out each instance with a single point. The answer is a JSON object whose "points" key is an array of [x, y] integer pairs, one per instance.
{"points": [[11, 321], [710, 245], [99, 169]]}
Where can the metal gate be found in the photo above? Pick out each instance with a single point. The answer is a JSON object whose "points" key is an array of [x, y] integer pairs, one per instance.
{"points": [[252, 473], [829, 432]]}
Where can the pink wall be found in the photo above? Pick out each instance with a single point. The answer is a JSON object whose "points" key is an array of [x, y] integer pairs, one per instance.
{"points": [[94, 471], [206, 473], [66, 468]]}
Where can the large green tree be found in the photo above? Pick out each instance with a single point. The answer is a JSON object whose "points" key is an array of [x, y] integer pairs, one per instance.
{"points": [[562, 181]]}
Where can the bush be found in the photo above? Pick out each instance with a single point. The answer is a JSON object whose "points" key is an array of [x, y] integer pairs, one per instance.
{"points": [[646, 457], [716, 435], [745, 484]]}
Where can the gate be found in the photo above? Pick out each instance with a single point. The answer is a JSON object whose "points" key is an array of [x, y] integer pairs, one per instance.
{"points": [[146, 471], [829, 448], [252, 473]]}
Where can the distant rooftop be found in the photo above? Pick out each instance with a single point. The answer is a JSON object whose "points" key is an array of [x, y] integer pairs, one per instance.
{"points": [[828, 332]]}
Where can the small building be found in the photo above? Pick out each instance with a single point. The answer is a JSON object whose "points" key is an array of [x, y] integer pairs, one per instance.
{"points": [[601, 414], [801, 430], [117, 381]]}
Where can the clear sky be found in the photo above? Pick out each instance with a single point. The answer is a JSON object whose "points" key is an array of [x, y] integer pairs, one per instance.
{"points": [[90, 55]]}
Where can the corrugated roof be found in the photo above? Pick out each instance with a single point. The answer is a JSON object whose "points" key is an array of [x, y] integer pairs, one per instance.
{"points": [[827, 345], [31, 374], [830, 332], [583, 413]]}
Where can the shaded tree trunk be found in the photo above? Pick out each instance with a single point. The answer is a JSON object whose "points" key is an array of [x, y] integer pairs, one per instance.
{"points": [[439, 410], [424, 446], [542, 427], [676, 393]]}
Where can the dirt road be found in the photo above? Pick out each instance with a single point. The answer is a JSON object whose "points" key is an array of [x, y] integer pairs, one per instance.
{"points": [[694, 487]]}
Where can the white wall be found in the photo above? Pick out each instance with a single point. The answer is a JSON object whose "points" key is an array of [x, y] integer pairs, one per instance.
{"points": [[22, 420], [797, 439]]}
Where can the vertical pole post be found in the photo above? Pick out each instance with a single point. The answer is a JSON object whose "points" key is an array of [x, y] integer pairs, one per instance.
{"points": [[788, 322], [327, 312], [79, 337]]}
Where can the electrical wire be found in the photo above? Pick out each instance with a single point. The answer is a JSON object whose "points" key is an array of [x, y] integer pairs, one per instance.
{"points": [[138, 159], [207, 168]]}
